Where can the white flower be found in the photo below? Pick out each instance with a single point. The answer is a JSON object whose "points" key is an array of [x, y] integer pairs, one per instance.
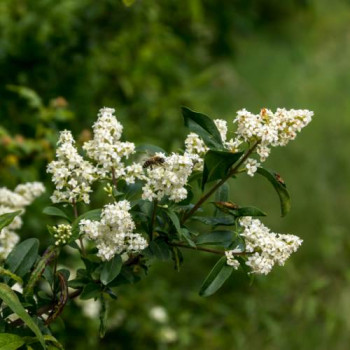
{"points": [[159, 314], [106, 149], [113, 234], [266, 248], [169, 178], [251, 166], [231, 260], [71, 174], [11, 201]]}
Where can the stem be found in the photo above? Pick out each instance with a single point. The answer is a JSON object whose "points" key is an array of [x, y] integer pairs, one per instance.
{"points": [[208, 250], [75, 210], [221, 182], [114, 180], [153, 220]]}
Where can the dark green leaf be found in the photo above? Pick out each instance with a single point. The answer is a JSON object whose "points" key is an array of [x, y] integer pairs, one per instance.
{"points": [[7, 218], [159, 249], [216, 221], [216, 278], [11, 300], [23, 256], [280, 188], [204, 127], [90, 291], [103, 317], [222, 238], [217, 165], [10, 341], [53, 211], [111, 269]]}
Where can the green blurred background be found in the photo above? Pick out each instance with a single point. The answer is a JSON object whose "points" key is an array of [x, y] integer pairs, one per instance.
{"points": [[60, 61]]}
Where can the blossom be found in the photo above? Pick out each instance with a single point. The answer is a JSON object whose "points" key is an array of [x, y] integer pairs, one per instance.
{"points": [[71, 174], [113, 234], [106, 149], [62, 233], [264, 248], [251, 166], [11, 201], [169, 178]]}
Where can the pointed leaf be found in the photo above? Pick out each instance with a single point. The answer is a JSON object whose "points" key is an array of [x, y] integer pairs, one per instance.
{"points": [[111, 269], [7, 218], [280, 188], [23, 256], [216, 221], [10, 341], [53, 211], [216, 278], [217, 165], [204, 127], [221, 238], [11, 300]]}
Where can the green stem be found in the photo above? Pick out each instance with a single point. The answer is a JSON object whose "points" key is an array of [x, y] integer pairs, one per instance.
{"points": [[153, 220], [233, 171], [76, 215], [208, 250]]}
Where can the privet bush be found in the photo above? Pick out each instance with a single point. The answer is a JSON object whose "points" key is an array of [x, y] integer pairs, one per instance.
{"points": [[153, 203]]}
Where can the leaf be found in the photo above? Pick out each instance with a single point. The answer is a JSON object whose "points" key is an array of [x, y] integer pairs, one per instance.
{"points": [[12, 301], [53, 211], [247, 211], [103, 317], [23, 256], [222, 193], [216, 221], [204, 127], [7, 218], [94, 215], [11, 275], [159, 249], [111, 269], [217, 165], [216, 278], [50, 254], [90, 291], [222, 238], [10, 341], [280, 188]]}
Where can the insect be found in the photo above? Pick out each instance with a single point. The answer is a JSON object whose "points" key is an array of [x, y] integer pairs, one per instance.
{"points": [[279, 179], [156, 160]]}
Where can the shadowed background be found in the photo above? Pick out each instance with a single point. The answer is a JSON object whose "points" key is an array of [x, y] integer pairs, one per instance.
{"points": [[61, 61]]}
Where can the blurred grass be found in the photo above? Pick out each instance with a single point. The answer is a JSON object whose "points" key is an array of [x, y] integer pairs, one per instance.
{"points": [[299, 62]]}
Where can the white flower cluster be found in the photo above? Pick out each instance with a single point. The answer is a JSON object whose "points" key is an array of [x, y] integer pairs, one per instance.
{"points": [[266, 248], [169, 178], [269, 129], [62, 233], [107, 150], [71, 174], [113, 234], [11, 201]]}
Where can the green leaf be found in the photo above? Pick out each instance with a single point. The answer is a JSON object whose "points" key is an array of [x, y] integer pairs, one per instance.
{"points": [[23, 256], [159, 249], [280, 188], [53, 211], [216, 278], [103, 317], [10, 341], [216, 221], [247, 211], [221, 238], [217, 165], [94, 215], [111, 269], [50, 254], [90, 291], [11, 275], [11, 300], [204, 127], [7, 218]]}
